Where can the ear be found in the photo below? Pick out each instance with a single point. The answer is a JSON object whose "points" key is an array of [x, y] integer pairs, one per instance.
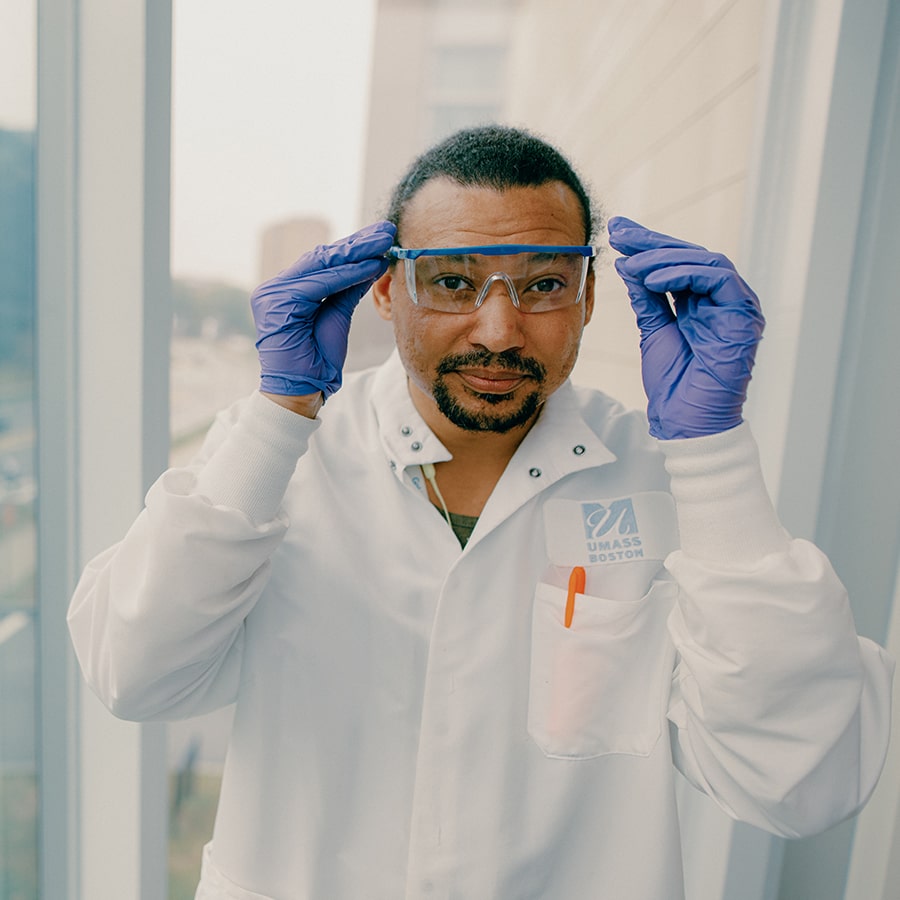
{"points": [[381, 293]]}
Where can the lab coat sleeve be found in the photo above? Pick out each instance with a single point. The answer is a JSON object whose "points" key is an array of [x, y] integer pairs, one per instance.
{"points": [[778, 711], [157, 620]]}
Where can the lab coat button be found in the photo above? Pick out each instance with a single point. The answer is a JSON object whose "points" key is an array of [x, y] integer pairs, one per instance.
{"points": [[534, 473], [406, 431], [578, 449], [416, 445]]}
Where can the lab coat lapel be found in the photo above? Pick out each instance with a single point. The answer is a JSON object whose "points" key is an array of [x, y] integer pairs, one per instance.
{"points": [[560, 443]]}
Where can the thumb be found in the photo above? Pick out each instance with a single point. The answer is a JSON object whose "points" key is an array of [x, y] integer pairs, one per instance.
{"points": [[341, 306], [651, 309]]}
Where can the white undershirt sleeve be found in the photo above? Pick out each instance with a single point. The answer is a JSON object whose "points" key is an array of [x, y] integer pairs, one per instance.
{"points": [[724, 511], [251, 469]]}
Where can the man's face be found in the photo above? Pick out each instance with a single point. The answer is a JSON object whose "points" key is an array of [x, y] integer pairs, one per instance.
{"points": [[491, 369]]}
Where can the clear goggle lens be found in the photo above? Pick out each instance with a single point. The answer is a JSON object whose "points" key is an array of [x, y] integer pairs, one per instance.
{"points": [[536, 278]]}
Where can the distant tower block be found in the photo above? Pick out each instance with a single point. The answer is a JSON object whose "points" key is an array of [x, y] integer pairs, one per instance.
{"points": [[284, 241]]}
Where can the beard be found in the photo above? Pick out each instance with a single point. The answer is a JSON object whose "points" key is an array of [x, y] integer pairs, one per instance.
{"points": [[483, 419]]}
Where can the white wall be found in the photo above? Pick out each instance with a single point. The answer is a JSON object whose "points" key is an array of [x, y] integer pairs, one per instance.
{"points": [[655, 102]]}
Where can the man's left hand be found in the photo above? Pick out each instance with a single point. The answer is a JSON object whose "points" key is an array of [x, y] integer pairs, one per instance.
{"points": [[696, 358]]}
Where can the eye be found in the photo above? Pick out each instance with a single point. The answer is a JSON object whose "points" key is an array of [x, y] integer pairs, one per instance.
{"points": [[547, 285], [453, 283]]}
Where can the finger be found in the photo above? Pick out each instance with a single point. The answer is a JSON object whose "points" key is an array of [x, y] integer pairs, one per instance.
{"points": [[724, 286], [651, 309], [629, 237], [332, 323], [280, 304], [642, 264], [370, 242], [345, 302], [315, 286]]}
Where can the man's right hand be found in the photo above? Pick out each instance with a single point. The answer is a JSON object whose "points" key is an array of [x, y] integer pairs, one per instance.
{"points": [[303, 314]]}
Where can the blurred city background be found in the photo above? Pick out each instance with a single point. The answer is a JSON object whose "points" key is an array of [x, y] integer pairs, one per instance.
{"points": [[290, 124]]}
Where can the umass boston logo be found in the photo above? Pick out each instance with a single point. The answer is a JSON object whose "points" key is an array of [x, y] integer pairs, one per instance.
{"points": [[611, 531]]}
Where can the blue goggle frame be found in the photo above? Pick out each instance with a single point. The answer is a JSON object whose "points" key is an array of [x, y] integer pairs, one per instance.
{"points": [[488, 250]]}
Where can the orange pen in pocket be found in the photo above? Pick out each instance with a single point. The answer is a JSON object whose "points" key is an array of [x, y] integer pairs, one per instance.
{"points": [[576, 586]]}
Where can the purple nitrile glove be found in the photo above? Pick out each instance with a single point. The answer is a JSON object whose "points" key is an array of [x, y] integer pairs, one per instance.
{"points": [[303, 314], [696, 360]]}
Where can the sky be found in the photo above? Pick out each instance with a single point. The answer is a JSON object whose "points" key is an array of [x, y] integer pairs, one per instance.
{"points": [[269, 115], [18, 57]]}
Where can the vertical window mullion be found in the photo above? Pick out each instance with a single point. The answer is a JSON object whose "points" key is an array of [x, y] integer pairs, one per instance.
{"points": [[102, 419], [55, 353]]}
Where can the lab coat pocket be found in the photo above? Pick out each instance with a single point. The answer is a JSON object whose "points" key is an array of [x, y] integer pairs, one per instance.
{"points": [[597, 687]]}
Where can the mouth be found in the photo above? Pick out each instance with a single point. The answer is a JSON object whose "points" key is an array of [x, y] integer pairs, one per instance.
{"points": [[491, 381]]}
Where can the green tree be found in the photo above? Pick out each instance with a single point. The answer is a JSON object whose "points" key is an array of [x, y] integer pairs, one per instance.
{"points": [[197, 303], [17, 251]]}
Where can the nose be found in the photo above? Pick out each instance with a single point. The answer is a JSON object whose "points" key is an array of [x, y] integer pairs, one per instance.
{"points": [[497, 323]]}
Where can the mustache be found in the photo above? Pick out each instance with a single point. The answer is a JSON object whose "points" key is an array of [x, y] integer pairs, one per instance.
{"points": [[510, 360]]}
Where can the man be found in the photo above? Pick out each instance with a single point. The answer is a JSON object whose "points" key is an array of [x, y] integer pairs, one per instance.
{"points": [[472, 616]]}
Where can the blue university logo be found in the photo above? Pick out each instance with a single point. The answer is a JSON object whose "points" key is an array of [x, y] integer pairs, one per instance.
{"points": [[600, 520], [611, 530]]}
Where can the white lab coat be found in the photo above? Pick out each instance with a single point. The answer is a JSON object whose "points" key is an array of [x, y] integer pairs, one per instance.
{"points": [[415, 721]]}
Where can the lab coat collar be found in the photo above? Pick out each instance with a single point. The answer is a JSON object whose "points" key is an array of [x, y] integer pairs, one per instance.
{"points": [[560, 443], [406, 439]]}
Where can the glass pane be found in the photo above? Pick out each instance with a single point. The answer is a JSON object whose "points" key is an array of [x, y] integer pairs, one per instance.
{"points": [[18, 769], [253, 189]]}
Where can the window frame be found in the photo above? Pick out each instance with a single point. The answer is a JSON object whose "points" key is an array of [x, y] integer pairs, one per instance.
{"points": [[103, 269]]}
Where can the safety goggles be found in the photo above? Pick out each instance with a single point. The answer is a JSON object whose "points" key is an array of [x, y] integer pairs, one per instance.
{"points": [[539, 278]]}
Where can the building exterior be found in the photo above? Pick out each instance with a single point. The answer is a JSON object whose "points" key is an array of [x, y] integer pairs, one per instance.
{"points": [[282, 242], [438, 65]]}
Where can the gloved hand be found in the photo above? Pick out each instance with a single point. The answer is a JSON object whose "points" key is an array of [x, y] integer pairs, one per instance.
{"points": [[303, 314], [696, 361]]}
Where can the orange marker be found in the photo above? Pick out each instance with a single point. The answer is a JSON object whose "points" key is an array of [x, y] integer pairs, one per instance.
{"points": [[576, 586]]}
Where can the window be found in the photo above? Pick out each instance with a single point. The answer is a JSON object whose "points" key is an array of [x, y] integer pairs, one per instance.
{"points": [[18, 544]]}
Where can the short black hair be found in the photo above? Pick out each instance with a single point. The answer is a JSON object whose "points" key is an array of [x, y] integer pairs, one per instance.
{"points": [[494, 156]]}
